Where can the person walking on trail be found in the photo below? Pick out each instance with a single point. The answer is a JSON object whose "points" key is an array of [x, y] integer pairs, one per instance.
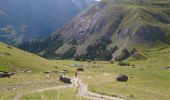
{"points": [[76, 74], [48, 76]]}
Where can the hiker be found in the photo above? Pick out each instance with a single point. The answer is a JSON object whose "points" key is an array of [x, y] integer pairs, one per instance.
{"points": [[48, 76], [76, 74]]}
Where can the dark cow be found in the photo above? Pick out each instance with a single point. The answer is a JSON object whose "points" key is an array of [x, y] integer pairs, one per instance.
{"points": [[122, 78], [5, 74], [65, 79], [80, 69]]}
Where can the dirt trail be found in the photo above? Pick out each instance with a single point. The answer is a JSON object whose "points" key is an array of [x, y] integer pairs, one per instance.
{"points": [[83, 91], [52, 88], [18, 96]]}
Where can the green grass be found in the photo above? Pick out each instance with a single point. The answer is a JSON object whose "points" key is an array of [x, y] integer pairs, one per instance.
{"points": [[25, 83], [144, 84], [157, 56], [15, 59], [63, 94], [12, 58], [148, 80]]}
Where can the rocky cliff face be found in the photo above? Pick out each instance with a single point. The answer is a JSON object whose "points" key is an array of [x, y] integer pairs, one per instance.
{"points": [[116, 23]]}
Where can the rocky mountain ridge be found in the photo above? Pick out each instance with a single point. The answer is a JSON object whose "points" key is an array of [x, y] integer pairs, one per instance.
{"points": [[111, 26]]}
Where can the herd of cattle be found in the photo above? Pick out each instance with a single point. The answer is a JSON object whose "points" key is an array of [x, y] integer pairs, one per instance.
{"points": [[121, 78]]}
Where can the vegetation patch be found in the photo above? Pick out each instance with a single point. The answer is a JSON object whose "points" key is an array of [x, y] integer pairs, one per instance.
{"points": [[98, 51], [123, 64], [125, 54], [138, 56]]}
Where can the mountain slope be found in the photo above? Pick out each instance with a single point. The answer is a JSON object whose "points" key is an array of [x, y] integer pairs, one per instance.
{"points": [[14, 59], [109, 25], [31, 19]]}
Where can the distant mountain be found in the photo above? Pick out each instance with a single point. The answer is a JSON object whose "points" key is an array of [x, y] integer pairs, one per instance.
{"points": [[31, 19], [109, 29]]}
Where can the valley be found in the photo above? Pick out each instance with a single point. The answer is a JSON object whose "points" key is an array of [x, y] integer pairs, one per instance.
{"points": [[85, 50], [105, 29], [148, 78]]}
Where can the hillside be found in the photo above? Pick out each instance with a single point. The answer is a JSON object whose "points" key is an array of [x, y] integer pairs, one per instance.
{"points": [[12, 59], [31, 19], [148, 73], [108, 28]]}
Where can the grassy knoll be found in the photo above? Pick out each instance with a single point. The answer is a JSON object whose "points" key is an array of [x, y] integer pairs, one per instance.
{"points": [[14, 59]]}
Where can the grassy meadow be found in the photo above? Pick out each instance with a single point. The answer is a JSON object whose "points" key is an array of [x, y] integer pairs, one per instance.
{"points": [[149, 76], [63, 94]]}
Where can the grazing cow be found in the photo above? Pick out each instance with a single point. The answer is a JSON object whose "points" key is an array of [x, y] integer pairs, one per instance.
{"points": [[122, 78], [80, 69], [65, 79], [5, 74], [167, 67]]}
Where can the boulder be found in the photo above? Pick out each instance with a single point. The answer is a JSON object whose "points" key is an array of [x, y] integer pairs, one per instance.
{"points": [[122, 78]]}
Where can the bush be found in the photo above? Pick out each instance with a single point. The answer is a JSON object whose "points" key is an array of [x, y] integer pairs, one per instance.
{"points": [[124, 64], [77, 58], [112, 62]]}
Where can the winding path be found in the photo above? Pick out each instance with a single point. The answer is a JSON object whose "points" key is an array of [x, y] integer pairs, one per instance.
{"points": [[83, 91], [18, 96]]}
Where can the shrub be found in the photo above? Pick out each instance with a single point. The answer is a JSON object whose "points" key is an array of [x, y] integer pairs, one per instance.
{"points": [[77, 58], [124, 64]]}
